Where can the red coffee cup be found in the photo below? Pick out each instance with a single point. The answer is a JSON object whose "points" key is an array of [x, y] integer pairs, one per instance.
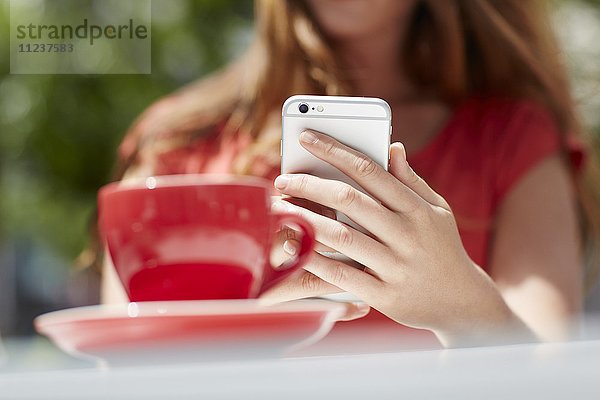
{"points": [[195, 237]]}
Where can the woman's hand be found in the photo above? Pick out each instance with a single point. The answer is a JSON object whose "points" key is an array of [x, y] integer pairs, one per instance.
{"points": [[417, 271]]}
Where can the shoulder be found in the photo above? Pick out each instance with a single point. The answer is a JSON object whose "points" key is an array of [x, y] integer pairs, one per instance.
{"points": [[501, 118], [191, 111], [151, 123], [167, 134], [504, 138], [502, 127], [516, 136]]}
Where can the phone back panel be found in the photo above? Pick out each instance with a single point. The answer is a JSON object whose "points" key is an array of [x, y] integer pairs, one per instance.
{"points": [[361, 123]]}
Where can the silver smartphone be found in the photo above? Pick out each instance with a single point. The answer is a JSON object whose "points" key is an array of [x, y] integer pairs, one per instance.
{"points": [[362, 123]]}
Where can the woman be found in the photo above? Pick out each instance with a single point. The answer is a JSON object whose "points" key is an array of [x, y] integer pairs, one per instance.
{"points": [[482, 114]]}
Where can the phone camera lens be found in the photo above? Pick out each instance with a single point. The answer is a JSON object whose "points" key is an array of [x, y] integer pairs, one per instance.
{"points": [[303, 108]]}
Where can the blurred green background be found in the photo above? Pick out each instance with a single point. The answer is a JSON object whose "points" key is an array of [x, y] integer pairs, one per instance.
{"points": [[59, 133], [58, 137]]}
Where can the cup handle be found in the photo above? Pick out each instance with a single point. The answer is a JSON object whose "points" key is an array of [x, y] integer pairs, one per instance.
{"points": [[307, 244]]}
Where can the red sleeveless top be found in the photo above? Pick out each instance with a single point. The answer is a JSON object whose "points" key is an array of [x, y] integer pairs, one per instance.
{"points": [[486, 147], [481, 153]]}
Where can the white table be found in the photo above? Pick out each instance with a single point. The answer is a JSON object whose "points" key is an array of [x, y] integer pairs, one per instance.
{"points": [[544, 371]]}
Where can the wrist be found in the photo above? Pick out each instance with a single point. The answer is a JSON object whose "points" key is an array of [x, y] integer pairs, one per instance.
{"points": [[498, 327], [483, 318]]}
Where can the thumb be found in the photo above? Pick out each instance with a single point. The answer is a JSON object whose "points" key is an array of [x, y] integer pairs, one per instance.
{"points": [[400, 168], [355, 310], [399, 165]]}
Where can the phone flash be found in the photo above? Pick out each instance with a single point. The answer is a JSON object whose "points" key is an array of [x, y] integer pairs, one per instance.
{"points": [[320, 108]]}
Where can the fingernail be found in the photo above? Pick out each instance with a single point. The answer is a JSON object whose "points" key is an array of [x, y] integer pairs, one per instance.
{"points": [[398, 159], [289, 248], [399, 147], [404, 155], [362, 309], [279, 206], [282, 181], [402, 149], [308, 137]]}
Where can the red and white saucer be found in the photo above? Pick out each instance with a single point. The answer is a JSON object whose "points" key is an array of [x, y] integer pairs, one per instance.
{"points": [[183, 331]]}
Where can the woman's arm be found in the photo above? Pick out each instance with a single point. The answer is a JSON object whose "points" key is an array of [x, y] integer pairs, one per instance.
{"points": [[111, 289], [536, 262]]}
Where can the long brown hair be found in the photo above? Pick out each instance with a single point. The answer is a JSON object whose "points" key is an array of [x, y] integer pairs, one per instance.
{"points": [[489, 47]]}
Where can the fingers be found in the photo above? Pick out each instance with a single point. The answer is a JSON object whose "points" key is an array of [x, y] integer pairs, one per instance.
{"points": [[312, 206], [361, 208], [355, 310], [299, 285], [400, 168], [318, 279], [343, 276], [342, 238], [287, 234], [366, 172], [278, 254], [309, 205]]}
